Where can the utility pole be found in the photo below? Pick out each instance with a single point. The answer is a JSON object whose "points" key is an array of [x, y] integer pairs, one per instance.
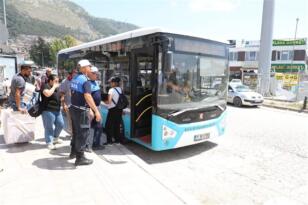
{"points": [[265, 55], [4, 17], [4, 13]]}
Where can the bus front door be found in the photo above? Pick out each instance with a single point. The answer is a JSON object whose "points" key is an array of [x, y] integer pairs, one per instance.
{"points": [[141, 94]]}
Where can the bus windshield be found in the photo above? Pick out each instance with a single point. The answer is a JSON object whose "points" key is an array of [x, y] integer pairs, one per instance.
{"points": [[192, 81]]}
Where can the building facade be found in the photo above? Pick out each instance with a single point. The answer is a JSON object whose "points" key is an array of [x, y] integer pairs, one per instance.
{"points": [[288, 65]]}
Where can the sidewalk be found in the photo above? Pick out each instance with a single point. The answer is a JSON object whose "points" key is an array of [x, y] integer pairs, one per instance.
{"points": [[34, 175], [285, 105]]}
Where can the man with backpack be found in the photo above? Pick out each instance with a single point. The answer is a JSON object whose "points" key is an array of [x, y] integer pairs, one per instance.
{"points": [[116, 103]]}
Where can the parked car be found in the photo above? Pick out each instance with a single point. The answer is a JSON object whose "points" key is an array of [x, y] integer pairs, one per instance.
{"points": [[239, 95]]}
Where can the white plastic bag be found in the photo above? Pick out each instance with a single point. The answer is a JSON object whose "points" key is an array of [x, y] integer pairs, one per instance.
{"points": [[29, 90], [17, 127]]}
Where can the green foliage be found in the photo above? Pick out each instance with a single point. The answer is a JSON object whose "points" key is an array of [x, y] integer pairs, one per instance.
{"points": [[59, 44], [40, 53]]}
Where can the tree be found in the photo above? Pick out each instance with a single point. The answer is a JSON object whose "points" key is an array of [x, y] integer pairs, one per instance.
{"points": [[59, 44], [39, 52]]}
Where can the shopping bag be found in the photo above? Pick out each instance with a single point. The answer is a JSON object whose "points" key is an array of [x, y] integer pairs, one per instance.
{"points": [[17, 127]]}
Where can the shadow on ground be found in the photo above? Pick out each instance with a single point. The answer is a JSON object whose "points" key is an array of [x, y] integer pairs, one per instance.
{"points": [[20, 147], [111, 150], [66, 138], [62, 151], [54, 164], [153, 157]]}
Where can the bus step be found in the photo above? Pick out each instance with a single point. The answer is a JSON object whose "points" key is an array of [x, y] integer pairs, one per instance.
{"points": [[147, 139]]}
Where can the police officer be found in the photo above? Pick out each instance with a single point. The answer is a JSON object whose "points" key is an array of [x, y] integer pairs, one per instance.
{"points": [[96, 127], [82, 102]]}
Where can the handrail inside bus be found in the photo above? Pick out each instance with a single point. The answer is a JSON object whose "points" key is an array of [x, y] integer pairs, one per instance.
{"points": [[143, 113], [143, 99]]}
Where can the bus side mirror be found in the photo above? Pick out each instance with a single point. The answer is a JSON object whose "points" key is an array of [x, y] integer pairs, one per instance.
{"points": [[168, 61]]}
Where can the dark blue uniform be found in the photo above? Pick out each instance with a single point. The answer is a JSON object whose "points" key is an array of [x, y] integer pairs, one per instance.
{"points": [[96, 127], [96, 93], [79, 114]]}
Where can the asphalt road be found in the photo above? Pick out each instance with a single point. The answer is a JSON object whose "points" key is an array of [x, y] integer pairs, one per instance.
{"points": [[262, 159]]}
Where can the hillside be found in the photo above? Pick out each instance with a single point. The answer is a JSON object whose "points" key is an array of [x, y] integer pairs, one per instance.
{"points": [[56, 18]]}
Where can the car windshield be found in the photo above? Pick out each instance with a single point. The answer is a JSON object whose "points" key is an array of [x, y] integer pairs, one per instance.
{"points": [[192, 81], [242, 88]]}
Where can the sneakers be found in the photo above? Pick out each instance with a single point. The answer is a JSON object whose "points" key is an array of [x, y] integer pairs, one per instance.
{"points": [[51, 146], [57, 141]]}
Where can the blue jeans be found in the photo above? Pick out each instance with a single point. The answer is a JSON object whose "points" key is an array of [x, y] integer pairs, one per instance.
{"points": [[53, 124], [96, 131]]}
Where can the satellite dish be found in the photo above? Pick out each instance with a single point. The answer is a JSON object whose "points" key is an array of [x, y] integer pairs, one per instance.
{"points": [[4, 34]]}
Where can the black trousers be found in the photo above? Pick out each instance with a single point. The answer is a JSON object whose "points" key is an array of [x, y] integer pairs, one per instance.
{"points": [[80, 130], [113, 123]]}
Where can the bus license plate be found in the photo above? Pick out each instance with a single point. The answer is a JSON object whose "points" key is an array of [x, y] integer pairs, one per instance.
{"points": [[202, 137]]}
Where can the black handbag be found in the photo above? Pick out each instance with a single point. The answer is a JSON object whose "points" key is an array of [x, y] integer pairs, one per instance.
{"points": [[37, 109]]}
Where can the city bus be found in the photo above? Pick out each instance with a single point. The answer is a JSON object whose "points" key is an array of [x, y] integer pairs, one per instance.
{"points": [[176, 84]]}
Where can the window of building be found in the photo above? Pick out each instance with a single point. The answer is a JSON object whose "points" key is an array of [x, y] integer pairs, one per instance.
{"points": [[284, 55], [251, 56], [233, 56]]}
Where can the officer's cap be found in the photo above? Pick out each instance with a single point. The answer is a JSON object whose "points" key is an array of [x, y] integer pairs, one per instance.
{"points": [[84, 63]]}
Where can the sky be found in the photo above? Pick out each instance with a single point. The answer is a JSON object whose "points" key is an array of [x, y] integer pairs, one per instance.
{"points": [[214, 19]]}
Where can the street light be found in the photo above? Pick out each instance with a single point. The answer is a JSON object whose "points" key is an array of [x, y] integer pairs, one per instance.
{"points": [[297, 19], [298, 71]]}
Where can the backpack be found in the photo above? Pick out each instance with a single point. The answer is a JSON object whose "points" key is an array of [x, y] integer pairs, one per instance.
{"points": [[122, 101]]}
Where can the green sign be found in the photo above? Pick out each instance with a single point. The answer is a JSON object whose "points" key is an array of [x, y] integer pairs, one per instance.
{"points": [[296, 42], [284, 68]]}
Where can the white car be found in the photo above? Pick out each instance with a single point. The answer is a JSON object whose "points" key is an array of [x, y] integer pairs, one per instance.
{"points": [[242, 95]]}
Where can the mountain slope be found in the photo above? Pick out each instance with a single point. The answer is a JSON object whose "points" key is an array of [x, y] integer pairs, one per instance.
{"points": [[56, 18]]}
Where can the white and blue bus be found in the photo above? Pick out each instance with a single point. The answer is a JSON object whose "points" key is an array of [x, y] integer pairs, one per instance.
{"points": [[176, 84]]}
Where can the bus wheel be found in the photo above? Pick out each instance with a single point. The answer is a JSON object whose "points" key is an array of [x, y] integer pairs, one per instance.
{"points": [[237, 101]]}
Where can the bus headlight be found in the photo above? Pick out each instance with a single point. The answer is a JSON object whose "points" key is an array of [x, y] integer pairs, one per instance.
{"points": [[168, 133]]}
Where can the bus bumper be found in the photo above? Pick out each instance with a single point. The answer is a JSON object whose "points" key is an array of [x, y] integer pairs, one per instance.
{"points": [[169, 135]]}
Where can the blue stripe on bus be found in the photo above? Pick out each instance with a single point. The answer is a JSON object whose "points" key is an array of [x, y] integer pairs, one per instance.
{"points": [[157, 129]]}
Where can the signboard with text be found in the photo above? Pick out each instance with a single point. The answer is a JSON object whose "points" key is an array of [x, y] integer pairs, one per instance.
{"points": [[296, 42], [288, 68], [287, 79]]}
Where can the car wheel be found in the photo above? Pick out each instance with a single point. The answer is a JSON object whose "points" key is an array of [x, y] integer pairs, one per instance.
{"points": [[237, 101]]}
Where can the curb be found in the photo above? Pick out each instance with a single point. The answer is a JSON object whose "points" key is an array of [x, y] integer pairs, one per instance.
{"points": [[285, 108]]}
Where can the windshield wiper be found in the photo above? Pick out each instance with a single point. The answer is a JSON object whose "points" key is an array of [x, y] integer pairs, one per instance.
{"points": [[181, 111]]}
